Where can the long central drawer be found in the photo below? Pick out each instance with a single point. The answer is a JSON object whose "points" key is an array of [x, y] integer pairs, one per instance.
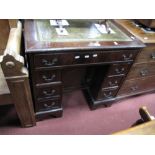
{"points": [[62, 59]]}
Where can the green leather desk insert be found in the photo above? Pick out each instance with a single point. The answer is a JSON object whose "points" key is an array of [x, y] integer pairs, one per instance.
{"points": [[78, 31]]}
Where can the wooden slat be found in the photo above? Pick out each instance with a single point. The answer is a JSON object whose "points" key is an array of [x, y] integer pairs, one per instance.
{"points": [[4, 34]]}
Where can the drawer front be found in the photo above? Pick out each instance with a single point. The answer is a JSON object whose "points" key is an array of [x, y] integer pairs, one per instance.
{"points": [[142, 70], [49, 105], [137, 86], [106, 94], [111, 82], [60, 59], [146, 55], [47, 92], [118, 70], [47, 76]]}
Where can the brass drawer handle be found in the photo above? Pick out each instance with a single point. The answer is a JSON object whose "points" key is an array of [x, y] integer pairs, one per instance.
{"points": [[49, 106], [153, 55], [49, 79], [49, 93], [119, 71], [47, 63], [134, 88], [109, 95], [125, 57], [144, 72], [113, 84]]}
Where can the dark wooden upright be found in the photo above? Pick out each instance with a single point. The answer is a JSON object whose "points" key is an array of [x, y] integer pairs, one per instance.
{"points": [[14, 82]]}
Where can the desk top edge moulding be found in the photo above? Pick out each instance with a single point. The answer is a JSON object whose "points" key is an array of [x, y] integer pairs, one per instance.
{"points": [[80, 34]]}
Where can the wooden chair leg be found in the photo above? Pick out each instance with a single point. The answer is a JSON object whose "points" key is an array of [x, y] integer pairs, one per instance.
{"points": [[20, 92]]}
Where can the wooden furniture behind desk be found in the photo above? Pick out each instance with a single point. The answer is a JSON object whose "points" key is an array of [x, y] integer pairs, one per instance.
{"points": [[141, 77], [14, 82], [147, 22], [96, 66]]}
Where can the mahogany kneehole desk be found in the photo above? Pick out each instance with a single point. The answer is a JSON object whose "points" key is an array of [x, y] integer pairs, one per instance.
{"points": [[84, 59]]}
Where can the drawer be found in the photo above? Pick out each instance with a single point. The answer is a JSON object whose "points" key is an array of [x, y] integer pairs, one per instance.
{"points": [[47, 92], [106, 94], [137, 86], [111, 82], [146, 55], [47, 76], [49, 105], [118, 70], [60, 59], [142, 70]]}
